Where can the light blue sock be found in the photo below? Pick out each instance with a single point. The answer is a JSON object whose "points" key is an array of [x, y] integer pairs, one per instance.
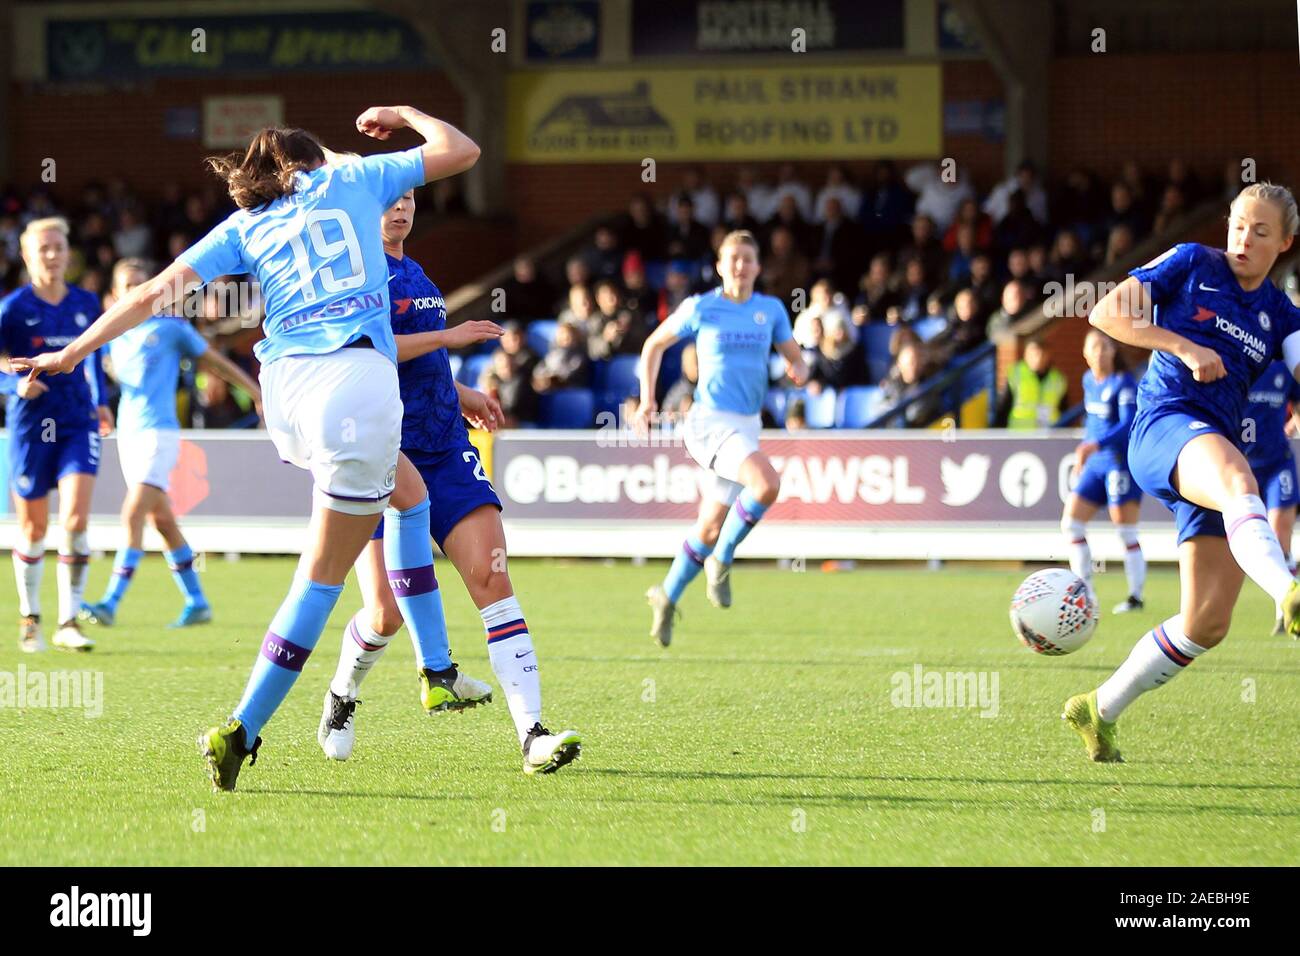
{"points": [[181, 561], [295, 629], [123, 568], [744, 514], [686, 566], [408, 554]]}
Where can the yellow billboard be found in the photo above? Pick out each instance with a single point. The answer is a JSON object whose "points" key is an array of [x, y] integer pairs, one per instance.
{"points": [[794, 112]]}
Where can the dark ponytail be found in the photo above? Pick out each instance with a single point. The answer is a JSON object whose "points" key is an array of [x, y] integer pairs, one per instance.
{"points": [[265, 172]]}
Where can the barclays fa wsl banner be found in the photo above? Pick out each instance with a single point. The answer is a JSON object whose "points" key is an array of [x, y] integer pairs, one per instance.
{"points": [[839, 478]]}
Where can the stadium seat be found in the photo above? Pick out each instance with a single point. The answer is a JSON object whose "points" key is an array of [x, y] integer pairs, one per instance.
{"points": [[876, 338], [456, 362], [541, 335], [567, 408], [819, 409], [471, 369], [775, 403], [930, 326], [670, 368], [620, 376], [859, 405], [775, 367]]}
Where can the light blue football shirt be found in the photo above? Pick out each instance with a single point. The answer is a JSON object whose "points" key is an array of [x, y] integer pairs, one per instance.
{"points": [[732, 342], [147, 364], [318, 256]]}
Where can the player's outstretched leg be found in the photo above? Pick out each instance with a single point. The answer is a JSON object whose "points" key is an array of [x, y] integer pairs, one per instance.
{"points": [[1211, 582], [761, 486]]}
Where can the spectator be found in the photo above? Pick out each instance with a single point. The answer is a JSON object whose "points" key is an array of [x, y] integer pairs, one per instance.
{"points": [[906, 380], [528, 295], [965, 250], [839, 186], [926, 246], [1172, 206], [510, 383], [788, 183], [736, 214], [704, 198], [875, 294], [1026, 181], [796, 415], [581, 307], [1068, 256], [604, 258], [965, 329], [1077, 203], [132, 240], [642, 230], [968, 213], [758, 195], [515, 344], [1141, 189], [1185, 178], [575, 273], [566, 365], [839, 361], [913, 296], [681, 394], [1018, 227], [785, 268], [985, 285], [824, 304], [1035, 393], [1119, 243], [886, 208], [611, 330], [1017, 302], [787, 215], [937, 199], [1123, 210], [839, 247], [677, 286], [686, 238], [638, 297]]}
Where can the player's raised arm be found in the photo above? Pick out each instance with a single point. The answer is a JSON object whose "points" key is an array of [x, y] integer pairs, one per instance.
{"points": [[460, 336], [156, 295], [446, 151], [1123, 315]]}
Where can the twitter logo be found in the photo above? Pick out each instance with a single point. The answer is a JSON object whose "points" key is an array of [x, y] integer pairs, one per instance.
{"points": [[962, 483]]}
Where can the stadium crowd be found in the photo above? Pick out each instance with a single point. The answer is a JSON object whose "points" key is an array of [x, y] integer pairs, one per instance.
{"points": [[887, 279]]}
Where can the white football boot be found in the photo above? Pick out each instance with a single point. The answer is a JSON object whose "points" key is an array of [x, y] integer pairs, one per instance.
{"points": [[718, 576], [70, 638], [338, 730], [545, 752]]}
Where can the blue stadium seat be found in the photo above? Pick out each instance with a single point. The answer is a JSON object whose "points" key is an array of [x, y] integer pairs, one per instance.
{"points": [[471, 369], [613, 381], [819, 409], [567, 408], [670, 368], [859, 405], [930, 326], [775, 367], [456, 362], [775, 403], [875, 340], [541, 335]]}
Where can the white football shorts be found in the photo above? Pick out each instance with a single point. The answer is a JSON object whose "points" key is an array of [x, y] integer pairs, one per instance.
{"points": [[719, 442], [148, 457], [339, 416]]}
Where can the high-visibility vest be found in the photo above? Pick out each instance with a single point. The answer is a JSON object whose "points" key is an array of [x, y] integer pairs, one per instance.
{"points": [[1035, 402]]}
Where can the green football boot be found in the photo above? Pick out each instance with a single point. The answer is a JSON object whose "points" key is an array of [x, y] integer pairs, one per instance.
{"points": [[224, 750], [1099, 736], [451, 690], [1291, 610]]}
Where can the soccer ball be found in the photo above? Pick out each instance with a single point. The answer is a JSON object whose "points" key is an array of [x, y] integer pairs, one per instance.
{"points": [[1054, 612]]}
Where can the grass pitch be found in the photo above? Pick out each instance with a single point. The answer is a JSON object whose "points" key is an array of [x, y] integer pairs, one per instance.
{"points": [[768, 734]]}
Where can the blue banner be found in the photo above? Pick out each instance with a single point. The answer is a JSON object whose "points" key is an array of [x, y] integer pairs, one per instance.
{"points": [[149, 47]]}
